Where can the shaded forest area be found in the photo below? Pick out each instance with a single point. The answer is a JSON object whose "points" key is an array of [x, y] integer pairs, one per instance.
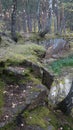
{"points": [[53, 16]]}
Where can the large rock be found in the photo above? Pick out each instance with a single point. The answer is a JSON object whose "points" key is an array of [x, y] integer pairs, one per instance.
{"points": [[60, 89], [67, 104], [20, 96], [17, 100], [38, 71], [56, 46]]}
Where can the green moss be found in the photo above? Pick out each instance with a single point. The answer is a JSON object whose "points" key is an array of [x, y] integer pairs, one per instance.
{"points": [[35, 89], [54, 120], [29, 76], [23, 78], [38, 117], [66, 127], [32, 79], [35, 36], [1, 95], [70, 120], [10, 126], [19, 53]]}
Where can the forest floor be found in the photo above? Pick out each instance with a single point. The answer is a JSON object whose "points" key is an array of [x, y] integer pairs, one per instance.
{"points": [[21, 86]]}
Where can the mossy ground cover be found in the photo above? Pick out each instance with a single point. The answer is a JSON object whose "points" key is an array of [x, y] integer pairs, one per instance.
{"points": [[38, 117], [10, 126], [18, 53], [15, 54], [44, 117], [1, 94]]}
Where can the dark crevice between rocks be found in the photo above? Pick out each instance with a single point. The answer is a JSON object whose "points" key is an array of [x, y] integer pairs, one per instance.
{"points": [[19, 120], [2, 64]]}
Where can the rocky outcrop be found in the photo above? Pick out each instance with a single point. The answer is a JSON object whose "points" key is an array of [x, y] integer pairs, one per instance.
{"points": [[47, 79], [19, 96], [17, 100]]}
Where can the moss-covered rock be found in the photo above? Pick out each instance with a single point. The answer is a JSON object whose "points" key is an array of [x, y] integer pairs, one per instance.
{"points": [[21, 84], [17, 53]]}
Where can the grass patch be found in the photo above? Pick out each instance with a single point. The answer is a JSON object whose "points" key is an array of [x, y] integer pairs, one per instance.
{"points": [[59, 64]]}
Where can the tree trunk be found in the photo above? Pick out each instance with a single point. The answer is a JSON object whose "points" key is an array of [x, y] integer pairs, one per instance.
{"points": [[34, 23], [56, 13], [38, 16], [13, 21], [49, 21], [62, 28], [24, 21], [29, 23], [55, 24], [58, 29]]}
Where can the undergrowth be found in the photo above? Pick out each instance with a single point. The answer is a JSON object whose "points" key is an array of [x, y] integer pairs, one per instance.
{"points": [[59, 64]]}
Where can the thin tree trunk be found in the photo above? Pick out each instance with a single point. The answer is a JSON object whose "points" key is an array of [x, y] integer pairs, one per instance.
{"points": [[58, 21], [38, 17], [13, 21], [50, 17], [24, 21], [29, 23], [62, 28], [49, 21], [55, 24], [29, 18], [55, 8], [34, 23]]}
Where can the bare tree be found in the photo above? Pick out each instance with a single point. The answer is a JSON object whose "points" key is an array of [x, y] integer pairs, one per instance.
{"points": [[38, 16], [49, 20]]}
